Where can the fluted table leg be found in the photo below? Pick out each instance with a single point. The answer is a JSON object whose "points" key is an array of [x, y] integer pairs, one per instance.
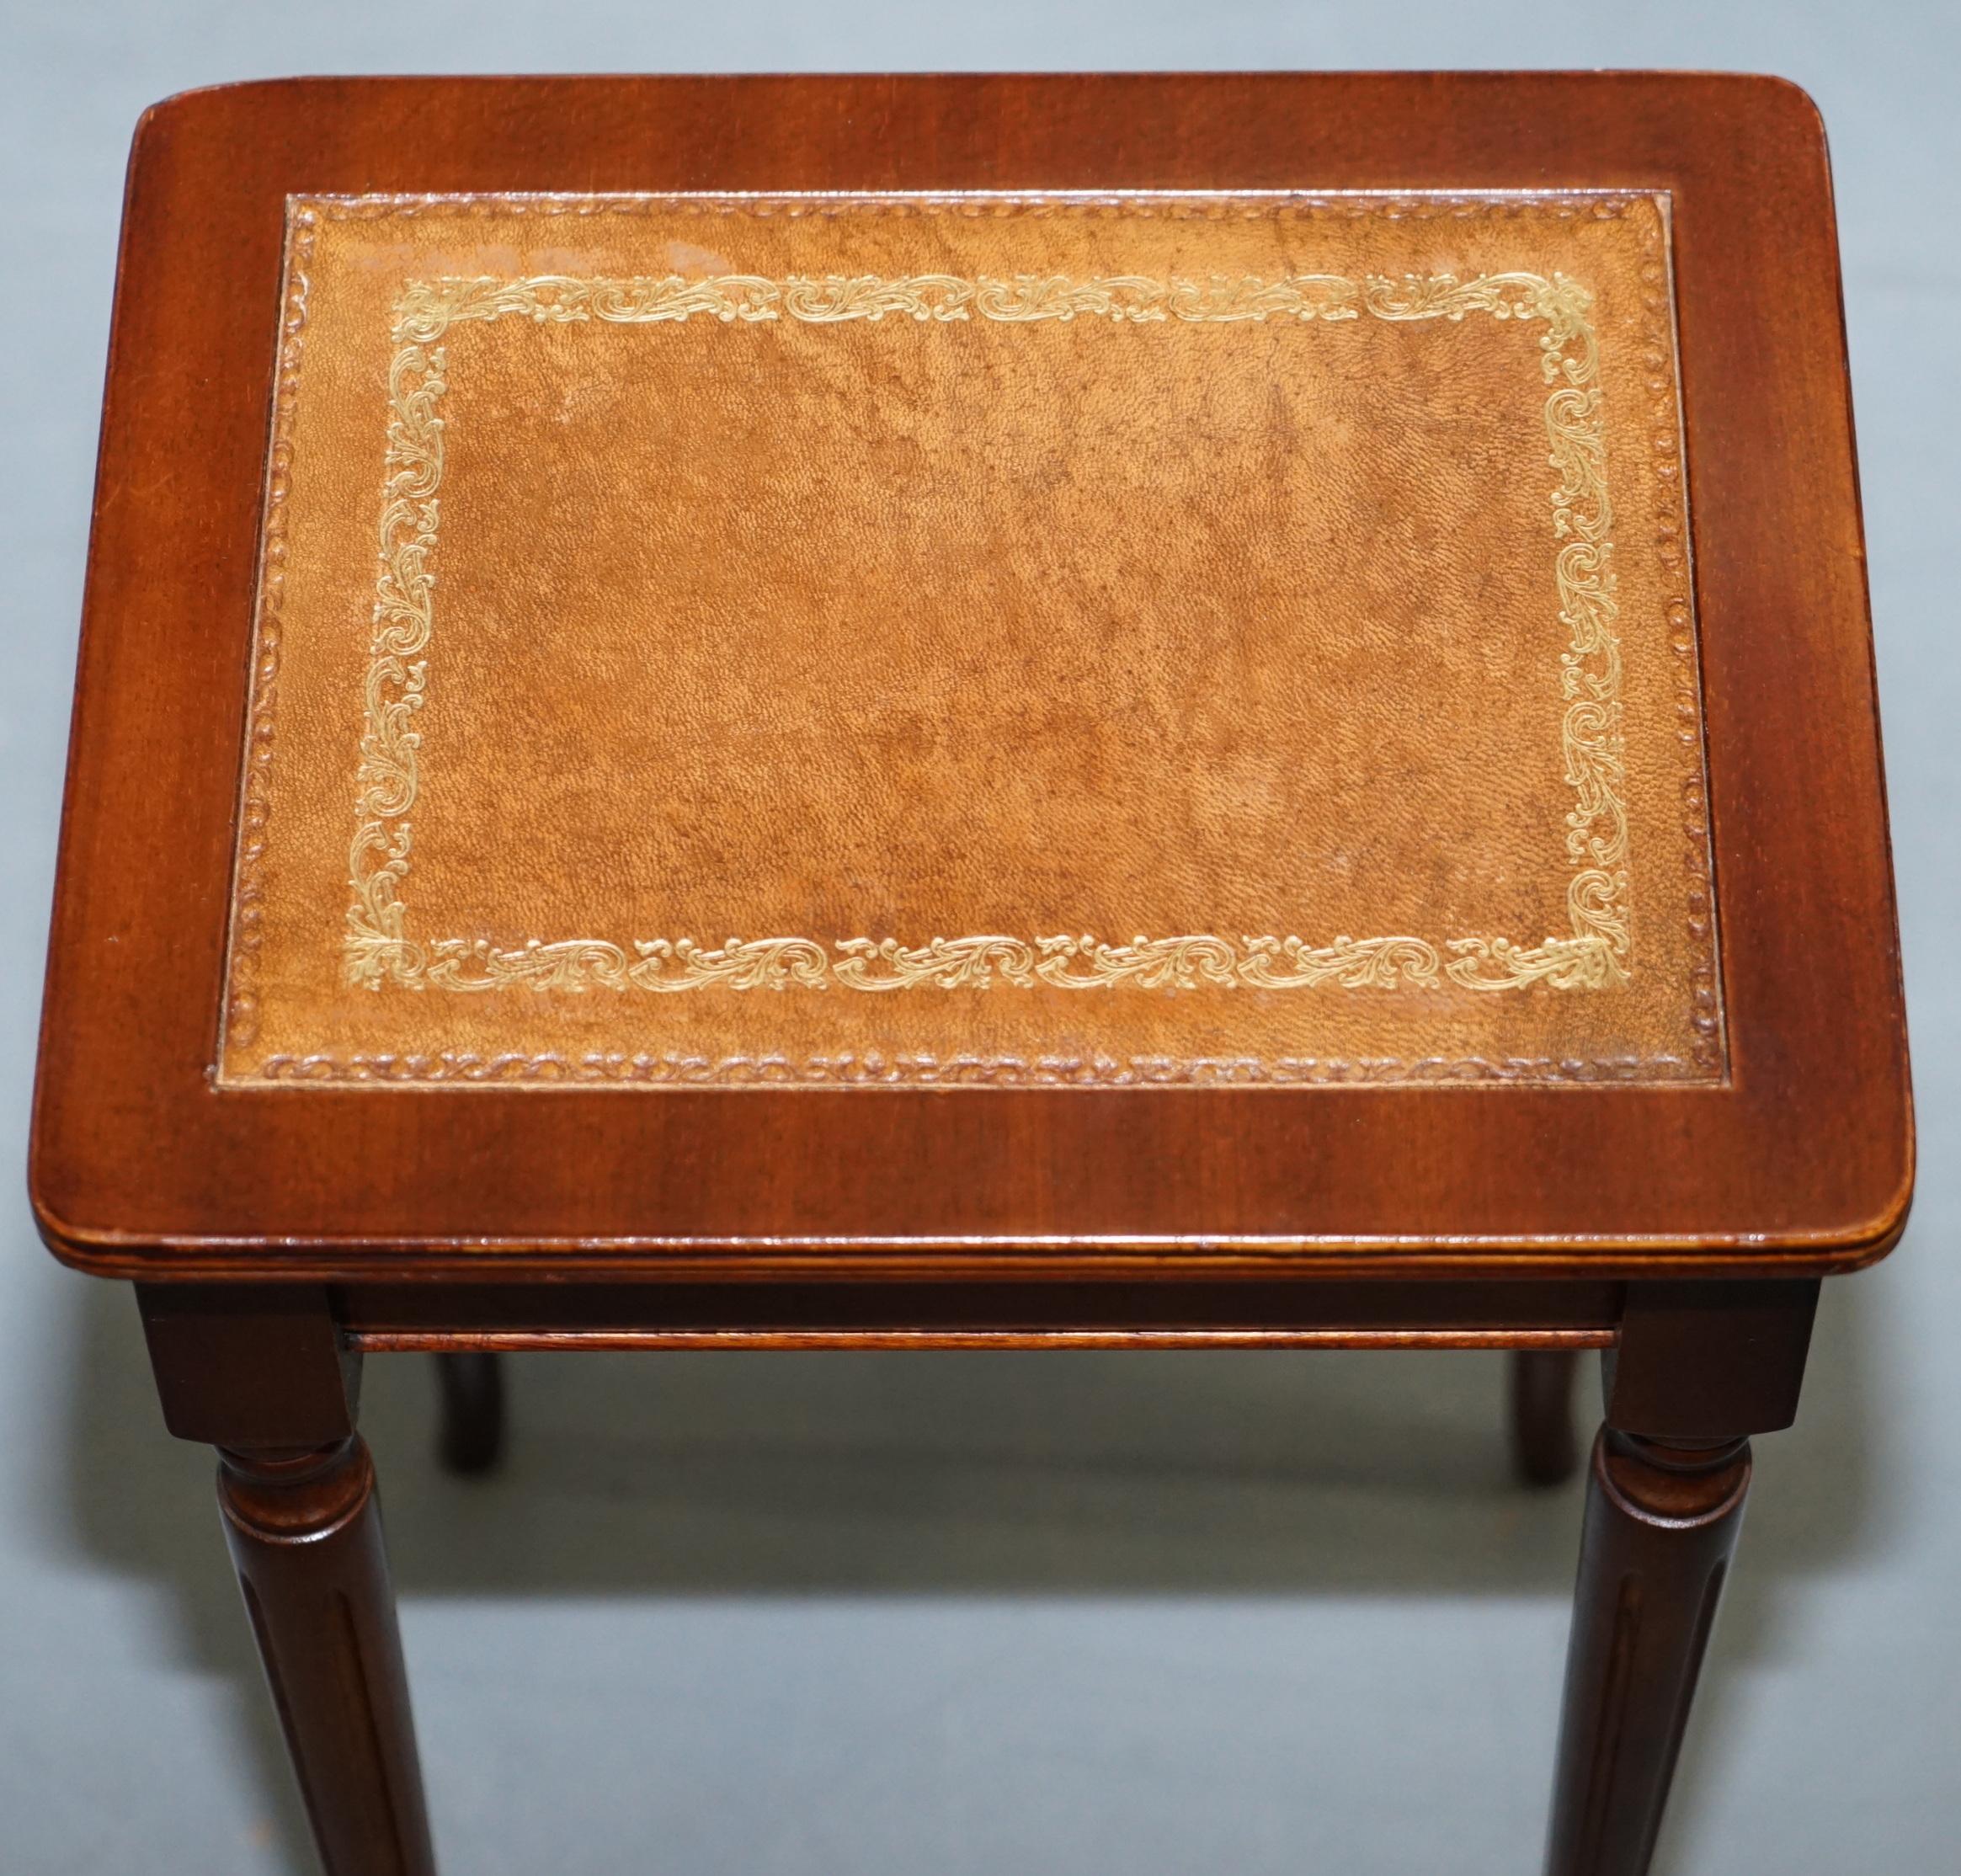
{"points": [[1699, 1368], [305, 1531], [1662, 1520], [262, 1372]]}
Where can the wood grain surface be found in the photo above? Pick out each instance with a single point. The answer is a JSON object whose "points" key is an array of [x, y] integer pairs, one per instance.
{"points": [[1799, 1162]]}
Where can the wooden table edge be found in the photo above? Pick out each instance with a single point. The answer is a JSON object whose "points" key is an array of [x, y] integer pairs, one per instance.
{"points": [[653, 1261]]}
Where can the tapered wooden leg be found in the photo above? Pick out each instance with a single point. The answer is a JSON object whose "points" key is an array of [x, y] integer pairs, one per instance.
{"points": [[1661, 1522], [1699, 1368], [305, 1531], [261, 1373], [1544, 1447], [472, 1439]]}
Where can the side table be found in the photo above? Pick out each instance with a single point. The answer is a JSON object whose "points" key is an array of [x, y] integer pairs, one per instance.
{"points": [[975, 712]]}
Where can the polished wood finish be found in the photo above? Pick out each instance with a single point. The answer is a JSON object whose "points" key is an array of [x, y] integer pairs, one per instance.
{"points": [[1661, 1521], [1544, 1448], [257, 1368], [1695, 1371], [278, 1234], [305, 1531], [396, 1316], [1691, 1357], [251, 1364], [264, 1374], [1801, 1163]]}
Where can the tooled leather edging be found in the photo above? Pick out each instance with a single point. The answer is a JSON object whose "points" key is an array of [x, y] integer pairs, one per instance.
{"points": [[241, 1009], [378, 946], [1672, 545], [901, 1068], [378, 949]]}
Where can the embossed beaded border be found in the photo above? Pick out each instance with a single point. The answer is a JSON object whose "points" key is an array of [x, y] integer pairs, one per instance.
{"points": [[378, 951]]}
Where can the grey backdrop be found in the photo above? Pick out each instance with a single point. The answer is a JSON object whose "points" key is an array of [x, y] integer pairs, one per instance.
{"points": [[860, 1615]]}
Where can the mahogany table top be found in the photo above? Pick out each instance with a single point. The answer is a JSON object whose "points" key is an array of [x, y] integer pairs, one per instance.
{"points": [[1031, 676]]}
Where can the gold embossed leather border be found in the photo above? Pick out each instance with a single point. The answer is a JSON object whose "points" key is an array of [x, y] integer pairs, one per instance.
{"points": [[381, 952], [1595, 955]]}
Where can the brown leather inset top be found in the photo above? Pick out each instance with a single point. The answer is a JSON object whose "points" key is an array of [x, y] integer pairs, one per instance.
{"points": [[975, 641]]}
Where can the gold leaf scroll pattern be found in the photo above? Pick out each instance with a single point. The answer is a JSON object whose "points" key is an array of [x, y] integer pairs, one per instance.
{"points": [[427, 309], [378, 948], [1596, 954], [1068, 962]]}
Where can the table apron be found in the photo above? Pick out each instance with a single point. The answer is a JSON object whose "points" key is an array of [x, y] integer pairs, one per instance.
{"points": [[949, 1315]]}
